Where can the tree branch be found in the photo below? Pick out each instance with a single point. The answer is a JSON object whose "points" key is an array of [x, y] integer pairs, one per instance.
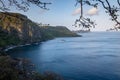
{"points": [[118, 1], [22, 4], [81, 8]]}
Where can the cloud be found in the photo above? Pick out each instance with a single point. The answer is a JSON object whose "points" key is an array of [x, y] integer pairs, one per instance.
{"points": [[76, 12], [93, 11]]}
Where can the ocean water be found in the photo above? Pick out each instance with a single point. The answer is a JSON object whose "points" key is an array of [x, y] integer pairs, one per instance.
{"points": [[95, 56]]}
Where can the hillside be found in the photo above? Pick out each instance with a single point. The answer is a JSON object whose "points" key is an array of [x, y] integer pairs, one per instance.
{"points": [[57, 31], [16, 29]]}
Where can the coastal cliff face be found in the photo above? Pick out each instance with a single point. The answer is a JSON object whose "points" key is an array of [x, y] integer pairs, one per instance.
{"points": [[16, 29], [20, 26]]}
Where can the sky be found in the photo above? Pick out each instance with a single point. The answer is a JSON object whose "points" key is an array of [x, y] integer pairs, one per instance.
{"points": [[64, 13]]}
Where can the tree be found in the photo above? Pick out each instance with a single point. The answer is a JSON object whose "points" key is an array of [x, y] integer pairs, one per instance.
{"points": [[24, 5], [111, 9]]}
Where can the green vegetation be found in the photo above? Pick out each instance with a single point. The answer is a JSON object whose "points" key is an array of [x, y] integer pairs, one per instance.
{"points": [[7, 39], [16, 29], [49, 32], [22, 69]]}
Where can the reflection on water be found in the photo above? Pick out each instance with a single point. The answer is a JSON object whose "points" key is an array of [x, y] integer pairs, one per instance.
{"points": [[95, 56]]}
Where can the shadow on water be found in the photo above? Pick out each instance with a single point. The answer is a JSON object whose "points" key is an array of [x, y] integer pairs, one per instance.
{"points": [[27, 50]]}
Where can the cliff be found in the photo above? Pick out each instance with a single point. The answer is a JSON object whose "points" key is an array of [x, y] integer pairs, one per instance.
{"points": [[17, 29]]}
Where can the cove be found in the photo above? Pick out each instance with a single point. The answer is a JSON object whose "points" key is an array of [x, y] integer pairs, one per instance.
{"points": [[95, 56]]}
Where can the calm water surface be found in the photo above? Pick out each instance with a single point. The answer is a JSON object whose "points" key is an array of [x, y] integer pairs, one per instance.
{"points": [[95, 56]]}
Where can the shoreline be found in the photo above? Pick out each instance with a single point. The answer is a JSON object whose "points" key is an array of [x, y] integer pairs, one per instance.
{"points": [[22, 45], [15, 46]]}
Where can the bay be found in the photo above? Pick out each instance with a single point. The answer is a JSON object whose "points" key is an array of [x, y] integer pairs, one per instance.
{"points": [[95, 56]]}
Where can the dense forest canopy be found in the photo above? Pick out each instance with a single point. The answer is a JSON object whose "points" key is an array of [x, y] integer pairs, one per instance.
{"points": [[111, 9]]}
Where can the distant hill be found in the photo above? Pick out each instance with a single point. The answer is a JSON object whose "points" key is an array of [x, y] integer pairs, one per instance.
{"points": [[57, 31], [81, 31], [16, 29]]}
